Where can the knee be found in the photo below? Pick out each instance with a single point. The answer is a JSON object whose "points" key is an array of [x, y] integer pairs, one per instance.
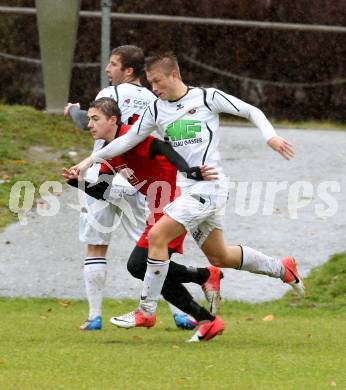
{"points": [[216, 261], [216, 254], [224, 260], [155, 238], [219, 259]]}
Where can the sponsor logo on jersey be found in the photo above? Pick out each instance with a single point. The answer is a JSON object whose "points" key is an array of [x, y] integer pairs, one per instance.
{"points": [[135, 103], [179, 106], [127, 173], [193, 111], [140, 103], [183, 129]]}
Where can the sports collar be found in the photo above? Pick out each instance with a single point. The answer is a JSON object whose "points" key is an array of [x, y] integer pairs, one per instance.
{"points": [[187, 91]]}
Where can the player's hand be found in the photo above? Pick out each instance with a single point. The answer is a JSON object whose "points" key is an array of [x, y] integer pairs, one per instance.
{"points": [[69, 174], [81, 167], [281, 146], [67, 108], [208, 173], [202, 173]]}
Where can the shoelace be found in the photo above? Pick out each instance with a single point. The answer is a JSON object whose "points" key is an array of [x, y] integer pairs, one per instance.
{"points": [[129, 316]]}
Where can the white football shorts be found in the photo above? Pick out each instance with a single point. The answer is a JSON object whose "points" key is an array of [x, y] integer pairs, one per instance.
{"points": [[199, 214], [99, 219]]}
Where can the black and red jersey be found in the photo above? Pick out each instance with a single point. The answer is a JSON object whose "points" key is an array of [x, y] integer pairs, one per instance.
{"points": [[154, 177]]}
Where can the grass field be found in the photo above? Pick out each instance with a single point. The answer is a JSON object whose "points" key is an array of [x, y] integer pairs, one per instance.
{"points": [[34, 146], [303, 346]]}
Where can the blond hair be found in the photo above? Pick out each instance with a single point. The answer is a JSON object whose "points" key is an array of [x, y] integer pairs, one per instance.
{"points": [[167, 62]]}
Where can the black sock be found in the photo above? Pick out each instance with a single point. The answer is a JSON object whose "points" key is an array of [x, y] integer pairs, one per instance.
{"points": [[182, 274], [179, 296], [199, 312]]}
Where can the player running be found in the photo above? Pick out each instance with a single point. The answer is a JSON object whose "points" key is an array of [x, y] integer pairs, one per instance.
{"points": [[124, 70], [188, 118], [155, 177]]}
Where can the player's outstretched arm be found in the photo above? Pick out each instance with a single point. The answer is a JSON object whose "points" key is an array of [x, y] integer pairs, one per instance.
{"points": [[117, 147], [222, 102], [99, 190]]}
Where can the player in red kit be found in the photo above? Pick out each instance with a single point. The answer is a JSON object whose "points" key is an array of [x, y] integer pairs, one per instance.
{"points": [[149, 167]]}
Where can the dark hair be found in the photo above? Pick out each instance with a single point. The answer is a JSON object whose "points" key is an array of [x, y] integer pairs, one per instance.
{"points": [[108, 107], [166, 61], [131, 57]]}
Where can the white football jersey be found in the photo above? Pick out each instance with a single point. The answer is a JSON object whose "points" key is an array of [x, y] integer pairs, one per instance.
{"points": [[132, 100], [190, 124]]}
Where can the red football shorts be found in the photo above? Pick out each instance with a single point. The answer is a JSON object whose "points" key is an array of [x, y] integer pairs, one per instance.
{"points": [[176, 245]]}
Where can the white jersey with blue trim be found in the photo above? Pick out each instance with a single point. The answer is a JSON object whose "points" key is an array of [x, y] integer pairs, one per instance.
{"points": [[132, 99]]}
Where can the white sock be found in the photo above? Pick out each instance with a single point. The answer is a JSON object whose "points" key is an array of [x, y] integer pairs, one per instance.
{"points": [[259, 263], [95, 272], [152, 284]]}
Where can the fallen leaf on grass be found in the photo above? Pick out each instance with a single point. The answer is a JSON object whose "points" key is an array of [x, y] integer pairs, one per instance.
{"points": [[269, 317], [137, 338], [65, 303], [44, 317], [333, 383], [249, 318], [20, 161], [175, 347]]}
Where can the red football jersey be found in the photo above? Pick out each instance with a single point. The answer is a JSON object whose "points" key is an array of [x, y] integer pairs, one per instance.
{"points": [[155, 178]]}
